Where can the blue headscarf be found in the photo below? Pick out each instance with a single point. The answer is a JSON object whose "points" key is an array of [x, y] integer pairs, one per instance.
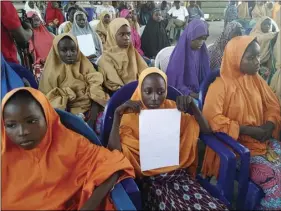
{"points": [[187, 68], [9, 79]]}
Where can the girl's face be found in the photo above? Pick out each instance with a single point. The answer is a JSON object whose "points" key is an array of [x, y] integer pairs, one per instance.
{"points": [[31, 4], [197, 43], [67, 50], [123, 36], [35, 21], [81, 21], [157, 16], [250, 63], [24, 121], [266, 26], [153, 91], [106, 19]]}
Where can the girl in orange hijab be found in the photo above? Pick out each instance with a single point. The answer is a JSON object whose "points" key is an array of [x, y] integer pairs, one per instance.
{"points": [[46, 166], [241, 104], [168, 188]]}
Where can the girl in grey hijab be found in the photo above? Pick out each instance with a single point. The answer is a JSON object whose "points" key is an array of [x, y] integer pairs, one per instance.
{"points": [[82, 27]]}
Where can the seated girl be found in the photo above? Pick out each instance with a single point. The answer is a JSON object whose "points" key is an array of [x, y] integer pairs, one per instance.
{"points": [[168, 188], [54, 16], [154, 37], [46, 166], [189, 63], [81, 26], [70, 81], [120, 63], [70, 17], [102, 26], [232, 29], [241, 104], [266, 39], [135, 36], [40, 44]]}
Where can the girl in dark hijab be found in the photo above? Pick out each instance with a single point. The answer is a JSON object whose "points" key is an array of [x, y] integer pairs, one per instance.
{"points": [[154, 37]]}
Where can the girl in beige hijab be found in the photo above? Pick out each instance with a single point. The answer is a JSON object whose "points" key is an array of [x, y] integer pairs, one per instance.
{"points": [[120, 63], [102, 26], [266, 39], [70, 81]]}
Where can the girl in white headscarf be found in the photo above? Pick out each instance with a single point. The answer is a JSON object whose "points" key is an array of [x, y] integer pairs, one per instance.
{"points": [[30, 6], [82, 27]]}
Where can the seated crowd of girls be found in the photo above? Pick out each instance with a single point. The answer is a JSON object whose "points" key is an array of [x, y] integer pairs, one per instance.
{"points": [[66, 171]]}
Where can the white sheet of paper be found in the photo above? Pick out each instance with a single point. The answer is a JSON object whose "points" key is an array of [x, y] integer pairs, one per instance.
{"points": [[159, 137], [86, 44]]}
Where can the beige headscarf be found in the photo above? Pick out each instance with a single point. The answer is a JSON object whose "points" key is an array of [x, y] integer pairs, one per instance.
{"points": [[259, 11], [119, 66], [71, 86], [101, 27], [243, 11], [263, 39]]}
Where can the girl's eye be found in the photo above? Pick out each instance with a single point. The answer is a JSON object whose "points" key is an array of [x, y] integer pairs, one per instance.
{"points": [[10, 125], [33, 121]]}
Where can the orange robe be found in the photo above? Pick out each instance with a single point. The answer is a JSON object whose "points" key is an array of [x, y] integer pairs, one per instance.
{"points": [[129, 134], [61, 172], [236, 99]]}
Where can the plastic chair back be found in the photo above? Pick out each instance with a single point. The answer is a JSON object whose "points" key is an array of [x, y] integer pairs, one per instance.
{"points": [[163, 57], [204, 86], [78, 125], [120, 97], [24, 73]]}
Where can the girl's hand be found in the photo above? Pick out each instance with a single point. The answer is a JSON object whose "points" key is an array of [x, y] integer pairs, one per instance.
{"points": [[129, 107], [183, 103]]}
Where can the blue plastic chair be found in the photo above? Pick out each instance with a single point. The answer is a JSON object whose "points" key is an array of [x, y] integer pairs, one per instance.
{"points": [[9, 78], [24, 73], [249, 194], [223, 190], [119, 195]]}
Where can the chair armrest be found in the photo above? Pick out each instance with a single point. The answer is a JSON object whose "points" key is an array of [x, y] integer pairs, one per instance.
{"points": [[133, 192], [225, 182], [121, 199], [243, 173]]}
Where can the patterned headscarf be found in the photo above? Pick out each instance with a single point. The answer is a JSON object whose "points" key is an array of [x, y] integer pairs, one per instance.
{"points": [[216, 51]]}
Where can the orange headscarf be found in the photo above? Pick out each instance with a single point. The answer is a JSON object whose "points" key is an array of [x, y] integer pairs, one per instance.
{"points": [[236, 99], [61, 173], [129, 133]]}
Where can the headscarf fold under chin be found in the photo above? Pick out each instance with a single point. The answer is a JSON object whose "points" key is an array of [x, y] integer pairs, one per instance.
{"points": [[80, 78], [187, 68], [119, 66], [64, 169], [129, 134]]}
